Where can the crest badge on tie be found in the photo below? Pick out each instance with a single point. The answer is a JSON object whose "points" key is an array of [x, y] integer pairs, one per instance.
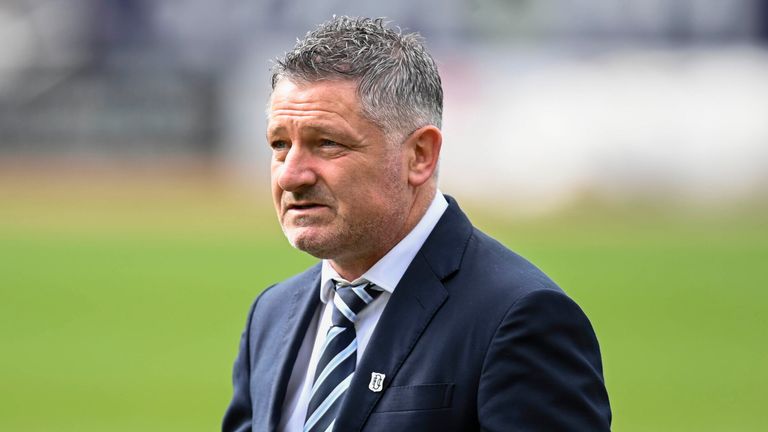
{"points": [[377, 382]]}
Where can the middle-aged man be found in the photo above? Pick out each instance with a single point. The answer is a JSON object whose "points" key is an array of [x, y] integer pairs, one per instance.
{"points": [[414, 320]]}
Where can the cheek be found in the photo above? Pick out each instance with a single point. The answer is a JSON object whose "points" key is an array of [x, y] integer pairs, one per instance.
{"points": [[277, 193], [274, 173], [391, 178], [377, 193]]}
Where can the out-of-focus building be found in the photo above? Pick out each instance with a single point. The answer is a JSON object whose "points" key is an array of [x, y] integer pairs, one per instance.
{"points": [[543, 98]]}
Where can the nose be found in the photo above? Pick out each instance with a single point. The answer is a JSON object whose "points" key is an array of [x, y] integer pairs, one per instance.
{"points": [[296, 171]]}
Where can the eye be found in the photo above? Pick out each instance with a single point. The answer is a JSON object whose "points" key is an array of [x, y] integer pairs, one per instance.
{"points": [[278, 145], [328, 143]]}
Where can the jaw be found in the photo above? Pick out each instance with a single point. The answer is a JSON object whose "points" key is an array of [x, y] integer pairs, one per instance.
{"points": [[313, 239]]}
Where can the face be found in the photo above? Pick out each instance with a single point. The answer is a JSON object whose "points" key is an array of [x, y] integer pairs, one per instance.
{"points": [[339, 189]]}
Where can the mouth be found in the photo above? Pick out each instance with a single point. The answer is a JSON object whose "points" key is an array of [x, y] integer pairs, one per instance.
{"points": [[304, 206]]}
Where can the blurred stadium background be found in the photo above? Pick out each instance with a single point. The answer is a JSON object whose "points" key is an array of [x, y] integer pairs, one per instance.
{"points": [[622, 146]]}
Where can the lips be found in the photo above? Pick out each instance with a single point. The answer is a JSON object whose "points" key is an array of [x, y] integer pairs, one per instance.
{"points": [[304, 206]]}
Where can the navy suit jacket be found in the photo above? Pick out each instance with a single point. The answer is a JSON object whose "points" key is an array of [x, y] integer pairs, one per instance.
{"points": [[473, 338]]}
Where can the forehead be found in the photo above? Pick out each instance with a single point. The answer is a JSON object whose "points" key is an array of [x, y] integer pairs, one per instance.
{"points": [[315, 99]]}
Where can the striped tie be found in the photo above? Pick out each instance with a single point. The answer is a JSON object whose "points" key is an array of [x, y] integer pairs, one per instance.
{"points": [[337, 362]]}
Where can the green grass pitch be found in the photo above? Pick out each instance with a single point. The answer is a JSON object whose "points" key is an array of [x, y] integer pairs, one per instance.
{"points": [[122, 311]]}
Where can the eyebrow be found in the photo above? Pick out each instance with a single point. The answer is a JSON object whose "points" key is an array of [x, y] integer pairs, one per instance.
{"points": [[311, 128], [275, 130]]}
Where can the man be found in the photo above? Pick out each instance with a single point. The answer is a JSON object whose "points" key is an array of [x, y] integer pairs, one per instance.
{"points": [[414, 320]]}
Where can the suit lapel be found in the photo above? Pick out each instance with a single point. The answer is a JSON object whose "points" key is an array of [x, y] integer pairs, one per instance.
{"points": [[298, 316], [415, 301], [418, 296]]}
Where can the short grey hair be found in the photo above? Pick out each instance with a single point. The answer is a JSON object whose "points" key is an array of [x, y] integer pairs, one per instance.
{"points": [[398, 84]]}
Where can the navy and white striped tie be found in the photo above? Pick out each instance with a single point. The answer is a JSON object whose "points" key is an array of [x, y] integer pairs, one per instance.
{"points": [[339, 355]]}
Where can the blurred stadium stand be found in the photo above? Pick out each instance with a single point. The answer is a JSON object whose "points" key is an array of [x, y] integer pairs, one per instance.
{"points": [[141, 79]]}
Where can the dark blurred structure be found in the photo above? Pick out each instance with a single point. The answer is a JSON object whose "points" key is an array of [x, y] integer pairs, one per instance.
{"points": [[111, 80], [95, 78], [116, 78]]}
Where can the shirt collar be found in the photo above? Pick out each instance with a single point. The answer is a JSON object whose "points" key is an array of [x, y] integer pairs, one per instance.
{"points": [[388, 271]]}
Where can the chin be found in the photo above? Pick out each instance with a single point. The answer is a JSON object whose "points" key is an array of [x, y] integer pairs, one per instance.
{"points": [[315, 243]]}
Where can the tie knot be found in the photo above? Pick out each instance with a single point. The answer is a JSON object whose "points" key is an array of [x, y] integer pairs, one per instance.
{"points": [[350, 300]]}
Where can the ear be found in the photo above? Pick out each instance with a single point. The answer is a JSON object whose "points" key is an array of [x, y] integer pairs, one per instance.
{"points": [[423, 150]]}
